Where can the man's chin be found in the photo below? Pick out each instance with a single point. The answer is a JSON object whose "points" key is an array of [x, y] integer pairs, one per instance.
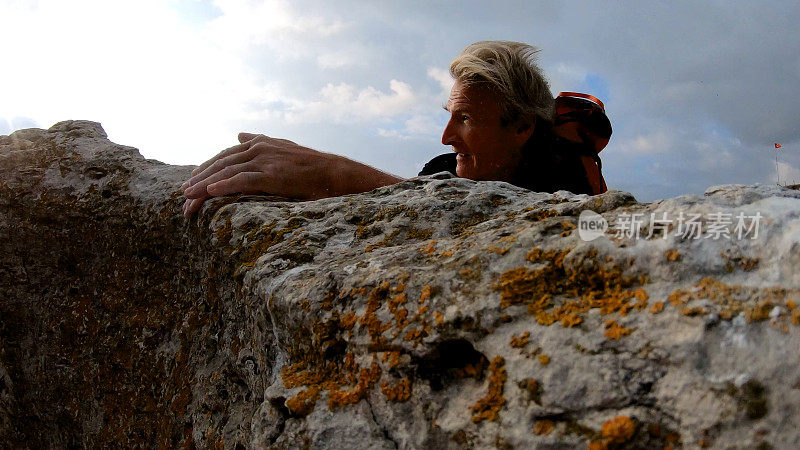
{"points": [[462, 169], [467, 174]]}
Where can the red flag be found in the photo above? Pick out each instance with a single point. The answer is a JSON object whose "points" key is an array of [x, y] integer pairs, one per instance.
{"points": [[777, 145]]}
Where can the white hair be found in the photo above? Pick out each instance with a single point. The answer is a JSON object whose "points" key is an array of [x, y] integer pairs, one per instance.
{"points": [[509, 68]]}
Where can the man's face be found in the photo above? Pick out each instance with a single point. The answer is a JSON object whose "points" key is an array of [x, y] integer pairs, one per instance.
{"points": [[486, 149]]}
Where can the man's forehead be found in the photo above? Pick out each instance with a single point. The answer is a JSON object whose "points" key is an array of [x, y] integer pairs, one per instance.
{"points": [[468, 96]]}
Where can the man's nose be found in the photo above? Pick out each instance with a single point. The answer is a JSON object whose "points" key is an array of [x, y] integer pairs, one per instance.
{"points": [[448, 136]]}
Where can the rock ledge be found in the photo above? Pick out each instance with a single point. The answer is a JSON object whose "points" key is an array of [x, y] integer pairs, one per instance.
{"points": [[436, 313]]}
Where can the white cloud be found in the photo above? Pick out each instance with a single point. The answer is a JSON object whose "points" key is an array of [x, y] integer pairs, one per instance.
{"points": [[273, 23], [337, 60], [167, 90], [646, 144], [262, 19], [424, 125], [443, 78], [419, 126], [393, 134], [343, 103]]}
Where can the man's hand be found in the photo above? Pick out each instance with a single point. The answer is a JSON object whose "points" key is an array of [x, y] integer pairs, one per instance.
{"points": [[261, 164]]}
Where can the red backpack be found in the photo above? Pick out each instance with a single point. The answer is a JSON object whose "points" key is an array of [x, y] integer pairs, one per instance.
{"points": [[581, 119]]}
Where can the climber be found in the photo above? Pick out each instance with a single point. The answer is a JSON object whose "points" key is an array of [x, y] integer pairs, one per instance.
{"points": [[500, 128]]}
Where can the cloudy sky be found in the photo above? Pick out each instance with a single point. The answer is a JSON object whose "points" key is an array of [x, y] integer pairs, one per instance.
{"points": [[697, 92]]}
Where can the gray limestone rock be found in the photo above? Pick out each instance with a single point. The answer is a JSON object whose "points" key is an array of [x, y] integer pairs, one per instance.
{"points": [[435, 313]]}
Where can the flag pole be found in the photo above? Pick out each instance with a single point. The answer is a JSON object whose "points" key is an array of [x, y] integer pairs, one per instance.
{"points": [[777, 168]]}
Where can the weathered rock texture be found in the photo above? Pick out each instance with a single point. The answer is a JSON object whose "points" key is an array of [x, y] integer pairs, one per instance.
{"points": [[437, 313]]}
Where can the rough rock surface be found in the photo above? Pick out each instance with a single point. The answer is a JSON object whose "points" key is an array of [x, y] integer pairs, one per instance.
{"points": [[437, 313]]}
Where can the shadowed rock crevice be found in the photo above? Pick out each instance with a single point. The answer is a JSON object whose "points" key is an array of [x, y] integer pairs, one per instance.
{"points": [[449, 361], [436, 313]]}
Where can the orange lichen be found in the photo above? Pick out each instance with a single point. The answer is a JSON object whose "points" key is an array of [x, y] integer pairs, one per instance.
{"points": [[567, 227], [594, 284], [614, 432], [488, 407], [657, 307], [344, 380], [303, 403], [539, 255], [759, 312], [347, 322], [672, 255], [540, 304], [400, 287], [367, 377], [544, 359], [618, 430], [520, 341], [641, 297], [543, 427], [415, 335], [498, 250], [396, 301], [421, 234], [439, 317], [394, 359], [543, 318], [597, 445], [257, 242], [299, 374], [615, 330], [400, 316], [327, 301], [796, 316], [387, 241], [469, 370], [734, 260], [541, 214], [399, 393], [679, 297], [369, 319], [430, 248], [224, 231], [571, 320], [425, 293], [358, 291], [754, 302], [695, 311]]}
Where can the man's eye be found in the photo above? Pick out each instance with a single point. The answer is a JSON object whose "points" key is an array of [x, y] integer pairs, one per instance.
{"points": [[463, 118]]}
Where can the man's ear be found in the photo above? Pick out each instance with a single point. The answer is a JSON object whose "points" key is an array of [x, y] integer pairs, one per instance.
{"points": [[524, 129]]}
